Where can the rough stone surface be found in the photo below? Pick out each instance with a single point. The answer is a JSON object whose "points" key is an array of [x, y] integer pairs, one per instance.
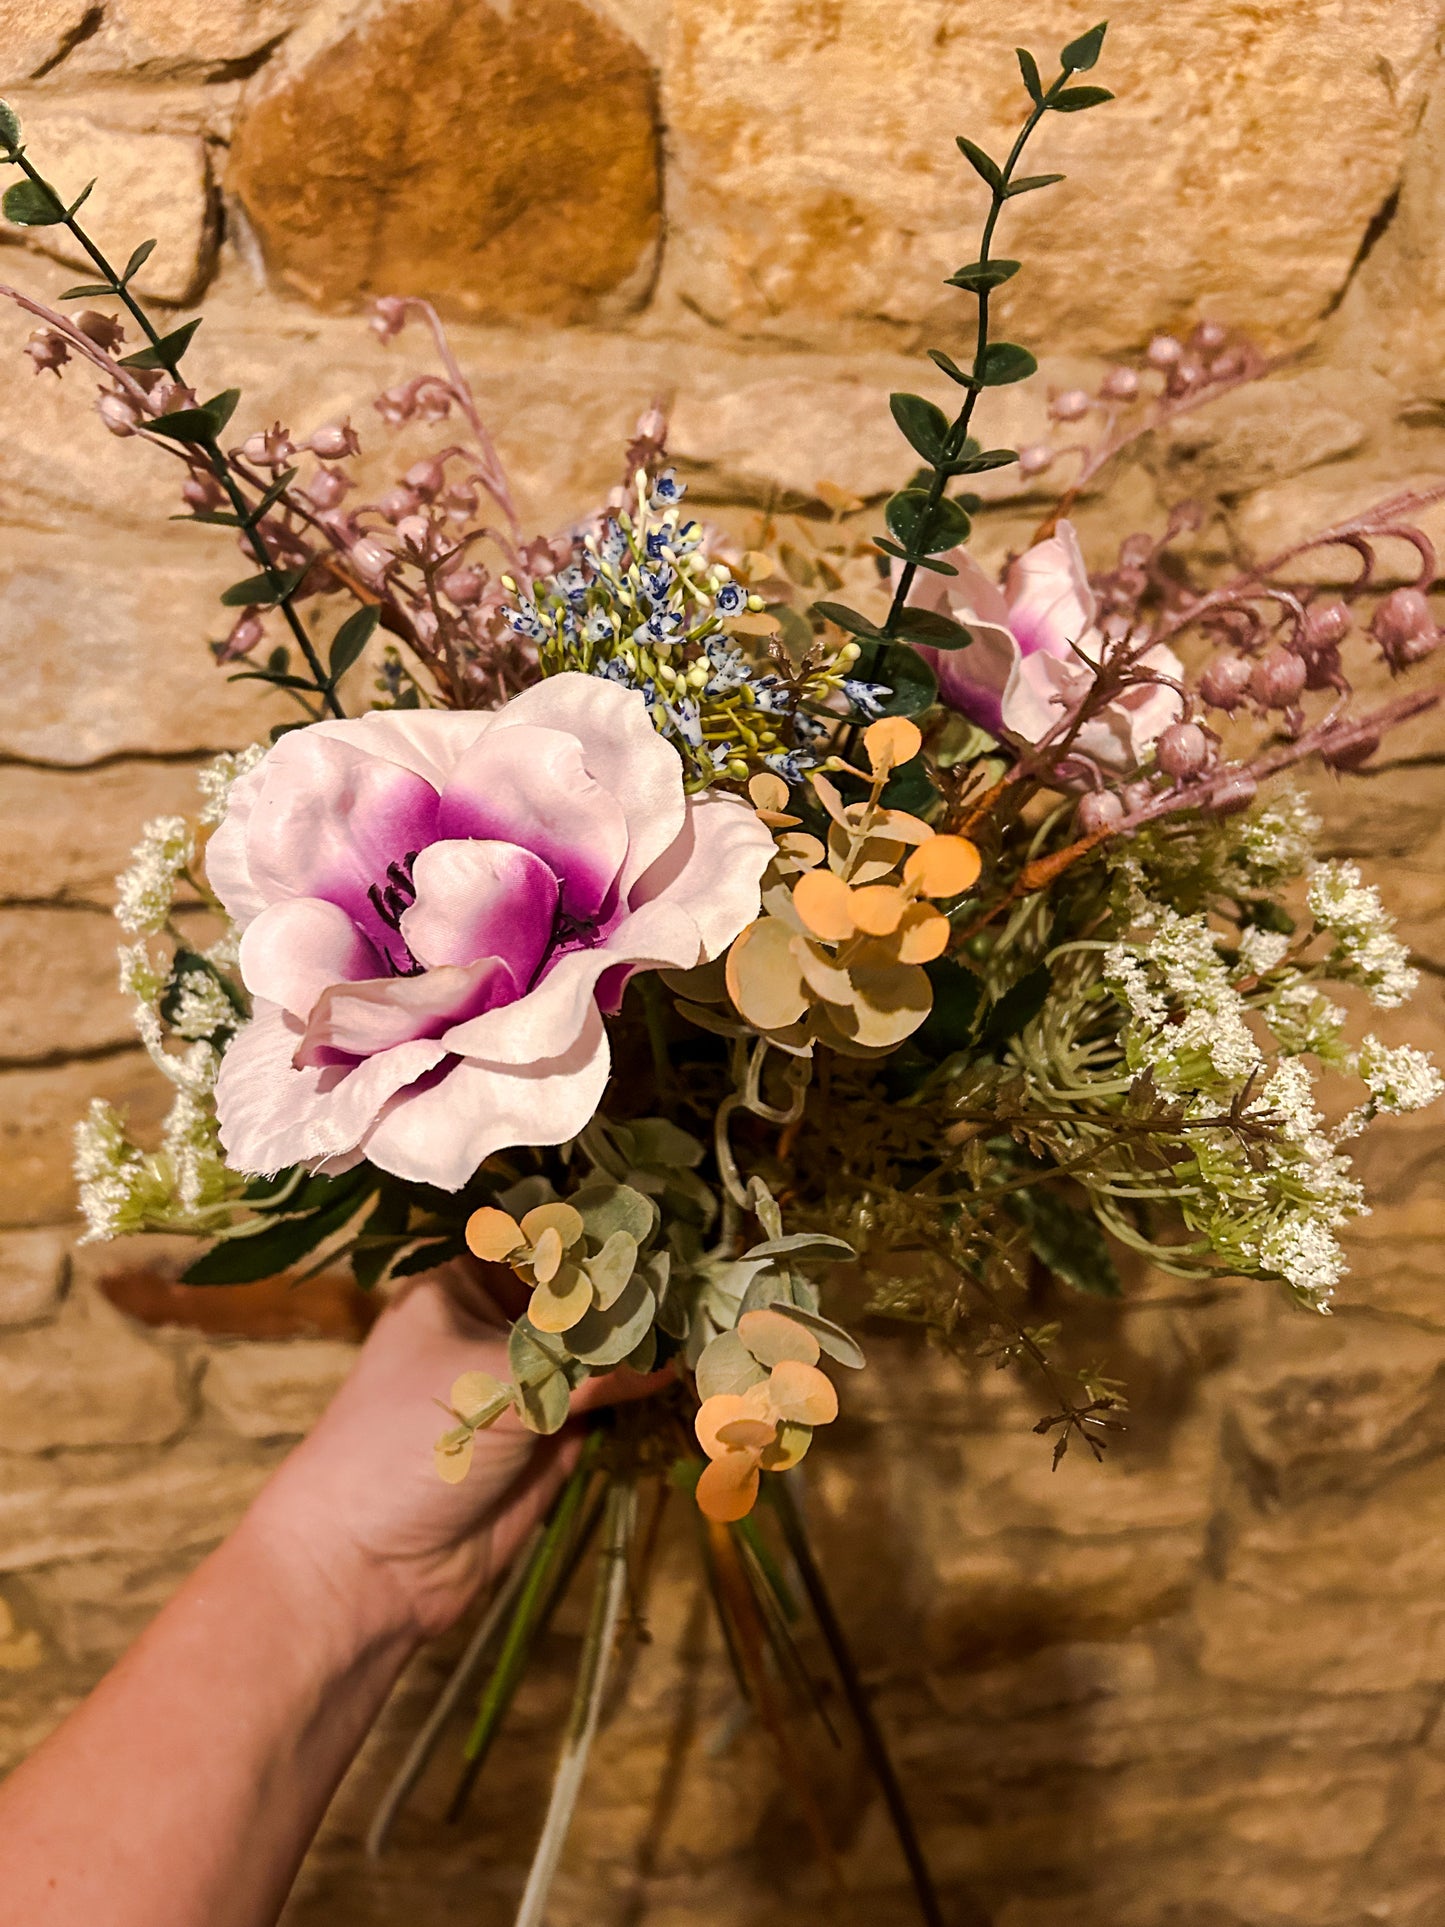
{"points": [[87, 1379], [1197, 1687], [148, 184], [36, 34], [505, 164], [277, 1390], [814, 181], [34, 1268]]}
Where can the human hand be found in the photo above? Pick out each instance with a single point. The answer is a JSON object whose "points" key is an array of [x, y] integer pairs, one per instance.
{"points": [[361, 1499]]}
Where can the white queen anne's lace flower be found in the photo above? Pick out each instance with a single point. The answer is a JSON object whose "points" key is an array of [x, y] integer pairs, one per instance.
{"points": [[1367, 952], [146, 890]]}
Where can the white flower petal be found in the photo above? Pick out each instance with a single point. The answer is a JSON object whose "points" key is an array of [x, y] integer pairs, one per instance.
{"points": [[713, 870]]}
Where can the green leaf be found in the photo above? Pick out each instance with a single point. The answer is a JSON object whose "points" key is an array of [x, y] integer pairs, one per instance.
{"points": [[832, 1339], [272, 496], [985, 459], [933, 629], [220, 518], [951, 368], [846, 619], [957, 994], [604, 1338], [9, 127], [1066, 1240], [1073, 100], [88, 290], [221, 407], [138, 260], [184, 425], [32, 204], [1029, 68], [909, 788], [240, 1261], [978, 276], [388, 1222], [892, 548], [166, 351], [436, 1252], [81, 198], [1081, 54], [981, 163], [256, 591], [924, 528], [351, 638], [279, 659], [903, 671], [1029, 182], [923, 423], [276, 677], [931, 562], [1005, 362], [1018, 1006]]}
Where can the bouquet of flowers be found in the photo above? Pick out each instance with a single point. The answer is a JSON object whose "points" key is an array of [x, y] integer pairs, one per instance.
{"points": [[687, 946]]}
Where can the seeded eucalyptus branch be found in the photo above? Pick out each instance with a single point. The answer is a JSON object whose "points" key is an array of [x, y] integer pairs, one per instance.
{"points": [[34, 202], [923, 521]]}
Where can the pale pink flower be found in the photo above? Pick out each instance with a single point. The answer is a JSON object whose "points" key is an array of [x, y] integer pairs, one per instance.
{"points": [[436, 909], [1034, 642]]}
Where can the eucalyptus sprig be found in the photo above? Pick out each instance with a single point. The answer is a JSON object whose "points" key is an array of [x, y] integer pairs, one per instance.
{"points": [[923, 521], [35, 202]]}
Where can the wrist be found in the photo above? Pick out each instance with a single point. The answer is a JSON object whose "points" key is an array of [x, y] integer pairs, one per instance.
{"points": [[349, 1603]]}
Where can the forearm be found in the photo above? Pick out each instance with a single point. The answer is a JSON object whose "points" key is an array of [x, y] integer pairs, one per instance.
{"points": [[185, 1791]]}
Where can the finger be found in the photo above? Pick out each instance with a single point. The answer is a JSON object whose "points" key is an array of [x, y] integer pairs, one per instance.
{"points": [[621, 1387]]}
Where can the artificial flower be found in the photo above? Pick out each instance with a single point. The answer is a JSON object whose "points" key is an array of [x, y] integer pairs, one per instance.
{"points": [[1034, 643], [436, 910]]}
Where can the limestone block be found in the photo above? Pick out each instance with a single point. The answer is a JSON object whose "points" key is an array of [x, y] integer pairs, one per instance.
{"points": [[86, 1379], [275, 1390], [93, 1608], [68, 833], [502, 161], [36, 34], [158, 40], [58, 983], [34, 1267], [1334, 1596], [147, 185], [106, 651], [813, 180], [141, 1504], [38, 1113]]}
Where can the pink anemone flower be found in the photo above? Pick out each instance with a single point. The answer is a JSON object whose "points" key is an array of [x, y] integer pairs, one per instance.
{"points": [[1035, 642], [438, 906]]}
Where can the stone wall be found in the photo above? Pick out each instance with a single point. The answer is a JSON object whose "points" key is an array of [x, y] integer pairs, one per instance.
{"points": [[1198, 1686]]}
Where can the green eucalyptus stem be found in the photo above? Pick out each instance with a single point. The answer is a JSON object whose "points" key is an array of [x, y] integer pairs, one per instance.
{"points": [[958, 434], [608, 1598], [216, 460]]}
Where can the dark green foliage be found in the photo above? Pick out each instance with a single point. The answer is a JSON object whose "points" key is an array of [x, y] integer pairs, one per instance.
{"points": [[1073, 100], [257, 591], [1018, 1006], [1005, 362], [930, 627], [33, 204], [351, 638], [983, 165], [1082, 53], [9, 129], [166, 352], [951, 368], [1067, 1241], [240, 1261], [979, 276], [1030, 183], [1029, 68], [923, 423], [923, 526]]}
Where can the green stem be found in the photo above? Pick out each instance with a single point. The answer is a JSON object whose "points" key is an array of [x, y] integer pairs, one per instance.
{"points": [[215, 456], [537, 1594], [608, 1597], [958, 434]]}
